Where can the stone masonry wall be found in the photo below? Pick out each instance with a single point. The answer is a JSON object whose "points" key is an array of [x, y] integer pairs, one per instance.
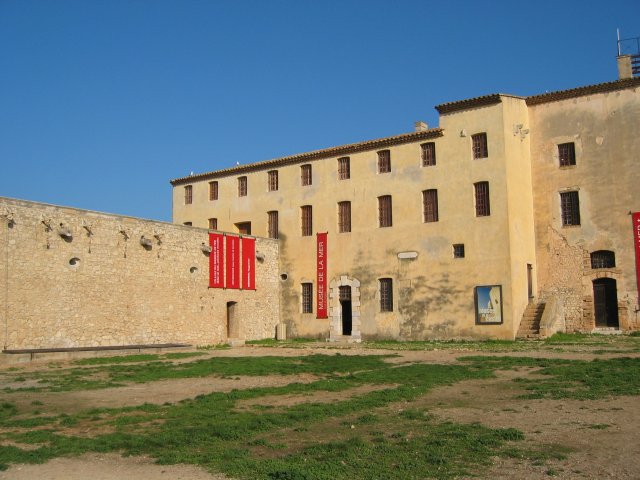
{"points": [[101, 286]]}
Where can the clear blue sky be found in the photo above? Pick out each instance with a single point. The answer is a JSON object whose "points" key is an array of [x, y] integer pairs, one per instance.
{"points": [[102, 102]]}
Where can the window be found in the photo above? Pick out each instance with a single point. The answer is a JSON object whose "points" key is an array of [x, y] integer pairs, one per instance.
{"points": [[384, 161], [344, 168], [188, 224], [307, 220], [188, 194], [567, 154], [570, 208], [479, 145], [213, 191], [242, 186], [307, 298], [273, 180], [483, 208], [428, 154], [458, 250], [244, 228], [344, 217], [272, 228], [603, 259], [384, 211], [213, 224], [430, 205], [386, 295], [305, 175]]}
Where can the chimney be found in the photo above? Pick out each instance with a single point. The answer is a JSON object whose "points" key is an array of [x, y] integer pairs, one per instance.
{"points": [[624, 67], [423, 127]]}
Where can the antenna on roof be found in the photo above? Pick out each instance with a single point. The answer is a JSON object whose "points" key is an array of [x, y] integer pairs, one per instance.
{"points": [[618, 30]]}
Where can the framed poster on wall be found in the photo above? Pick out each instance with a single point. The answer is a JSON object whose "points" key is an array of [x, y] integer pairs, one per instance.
{"points": [[488, 301]]}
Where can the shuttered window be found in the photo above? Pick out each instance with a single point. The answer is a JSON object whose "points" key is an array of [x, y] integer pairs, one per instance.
{"points": [[344, 217], [307, 220], [428, 151], [479, 145], [385, 211], [430, 205]]}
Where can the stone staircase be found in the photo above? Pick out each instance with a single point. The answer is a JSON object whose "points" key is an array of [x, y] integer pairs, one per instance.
{"points": [[530, 323]]}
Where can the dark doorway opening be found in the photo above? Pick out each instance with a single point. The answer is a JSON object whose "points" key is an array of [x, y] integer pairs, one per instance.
{"points": [[232, 322], [345, 306], [605, 302]]}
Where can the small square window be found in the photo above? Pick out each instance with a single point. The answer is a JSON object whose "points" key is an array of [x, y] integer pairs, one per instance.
{"points": [[213, 224], [479, 145], [384, 161], [244, 228], [458, 250], [567, 154]]}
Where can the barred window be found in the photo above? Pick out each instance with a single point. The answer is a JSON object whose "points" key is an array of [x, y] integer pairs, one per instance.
{"points": [[242, 186], [272, 228], [307, 298], [385, 211], [430, 205], [307, 220], [244, 228], [567, 154], [344, 217], [479, 145], [213, 224], [273, 180], [305, 175], [428, 154], [384, 161], [603, 259], [213, 191], [386, 295], [570, 208], [483, 208], [188, 194], [344, 168], [458, 250]]}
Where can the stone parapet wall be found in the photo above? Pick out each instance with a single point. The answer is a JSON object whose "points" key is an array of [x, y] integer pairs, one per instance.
{"points": [[74, 278]]}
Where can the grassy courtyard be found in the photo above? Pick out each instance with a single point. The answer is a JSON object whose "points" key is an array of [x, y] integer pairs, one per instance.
{"points": [[302, 410]]}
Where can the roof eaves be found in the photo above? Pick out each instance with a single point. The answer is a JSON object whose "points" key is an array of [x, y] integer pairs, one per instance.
{"points": [[583, 91], [314, 155], [474, 102]]}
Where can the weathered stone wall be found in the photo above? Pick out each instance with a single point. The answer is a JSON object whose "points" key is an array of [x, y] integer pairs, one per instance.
{"points": [[102, 287]]}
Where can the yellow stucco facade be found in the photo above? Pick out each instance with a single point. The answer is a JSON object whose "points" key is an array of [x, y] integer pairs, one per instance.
{"points": [[411, 279]]}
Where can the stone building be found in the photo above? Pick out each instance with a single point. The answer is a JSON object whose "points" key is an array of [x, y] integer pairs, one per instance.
{"points": [[72, 279], [513, 211]]}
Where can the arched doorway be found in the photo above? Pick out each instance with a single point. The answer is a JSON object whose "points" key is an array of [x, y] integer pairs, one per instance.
{"points": [[605, 302], [345, 309]]}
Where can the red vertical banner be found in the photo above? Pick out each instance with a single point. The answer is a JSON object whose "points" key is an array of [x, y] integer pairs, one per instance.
{"points": [[233, 261], [321, 261], [216, 261], [636, 242], [248, 263]]}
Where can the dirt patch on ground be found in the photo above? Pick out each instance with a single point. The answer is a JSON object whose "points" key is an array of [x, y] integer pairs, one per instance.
{"points": [[107, 467]]}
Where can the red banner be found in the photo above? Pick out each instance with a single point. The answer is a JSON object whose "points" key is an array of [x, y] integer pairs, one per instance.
{"points": [[216, 261], [248, 263], [321, 305], [636, 242], [233, 261]]}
